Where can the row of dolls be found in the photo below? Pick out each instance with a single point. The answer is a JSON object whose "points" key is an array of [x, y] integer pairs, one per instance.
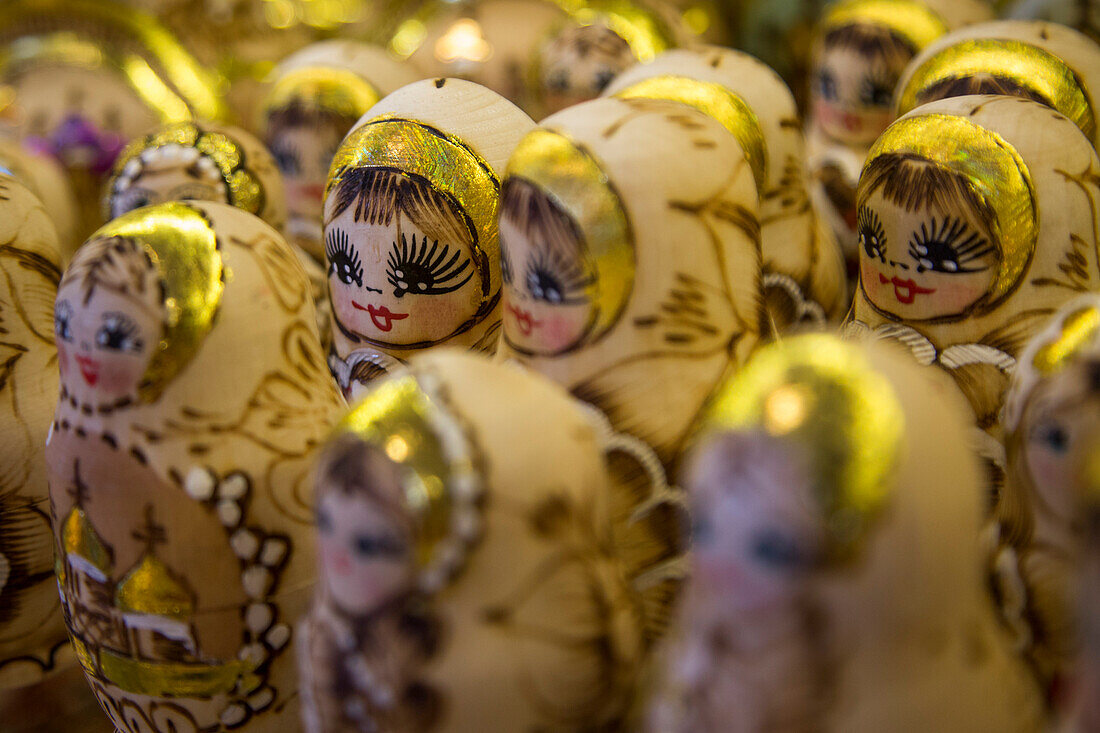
{"points": [[447, 209]]}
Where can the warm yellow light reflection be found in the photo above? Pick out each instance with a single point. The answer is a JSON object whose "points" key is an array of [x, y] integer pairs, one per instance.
{"points": [[785, 409], [463, 41], [397, 448]]}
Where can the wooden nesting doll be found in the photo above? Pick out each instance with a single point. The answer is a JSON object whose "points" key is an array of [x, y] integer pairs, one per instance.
{"points": [[32, 629], [467, 585], [630, 255], [83, 78], [411, 247], [601, 39], [860, 51], [1051, 411], [202, 161], [837, 575], [47, 180], [978, 218], [803, 276], [492, 42], [319, 93], [193, 392], [1046, 62]]}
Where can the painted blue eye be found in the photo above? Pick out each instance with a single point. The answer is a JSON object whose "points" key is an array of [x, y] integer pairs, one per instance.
{"points": [[776, 550], [366, 546], [702, 531], [1055, 437], [324, 522]]}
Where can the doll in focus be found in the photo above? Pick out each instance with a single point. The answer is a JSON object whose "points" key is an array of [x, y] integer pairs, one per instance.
{"points": [[317, 96], [411, 246], [860, 51]]}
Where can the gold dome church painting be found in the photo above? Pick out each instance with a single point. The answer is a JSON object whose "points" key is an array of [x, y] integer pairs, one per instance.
{"points": [[152, 464]]}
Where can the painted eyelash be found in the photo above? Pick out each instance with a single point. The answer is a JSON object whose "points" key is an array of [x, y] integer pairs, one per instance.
{"points": [[433, 264], [570, 274], [867, 221], [945, 236], [122, 324], [343, 259], [287, 156]]}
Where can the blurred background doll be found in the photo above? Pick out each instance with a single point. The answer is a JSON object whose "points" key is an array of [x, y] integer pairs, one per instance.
{"points": [[849, 595], [411, 245], [498, 598], [73, 92], [860, 51], [317, 96], [1045, 62], [1051, 413]]}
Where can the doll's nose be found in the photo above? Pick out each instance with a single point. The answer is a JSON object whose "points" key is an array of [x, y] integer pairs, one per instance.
{"points": [[902, 265]]}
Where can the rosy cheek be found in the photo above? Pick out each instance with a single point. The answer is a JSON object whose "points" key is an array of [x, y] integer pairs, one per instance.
{"points": [[119, 374], [559, 331]]}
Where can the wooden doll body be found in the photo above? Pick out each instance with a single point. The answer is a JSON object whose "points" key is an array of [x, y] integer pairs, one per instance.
{"points": [[193, 391], [803, 273], [411, 246], [47, 180], [32, 629], [91, 77], [860, 51], [495, 601], [595, 298], [318, 95], [964, 273], [1051, 415], [838, 577], [1082, 16], [1046, 62]]}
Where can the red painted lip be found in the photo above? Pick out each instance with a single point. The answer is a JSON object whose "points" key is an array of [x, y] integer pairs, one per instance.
{"points": [[313, 191], [381, 317], [89, 369], [524, 320], [905, 291]]}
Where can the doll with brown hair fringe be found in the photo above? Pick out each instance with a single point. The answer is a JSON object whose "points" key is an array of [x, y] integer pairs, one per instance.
{"points": [[411, 245], [861, 50]]}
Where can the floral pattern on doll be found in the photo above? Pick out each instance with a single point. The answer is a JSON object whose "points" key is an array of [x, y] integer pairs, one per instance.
{"points": [[109, 318], [367, 636], [403, 267]]}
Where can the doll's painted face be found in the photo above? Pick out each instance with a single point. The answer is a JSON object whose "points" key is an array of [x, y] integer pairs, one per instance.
{"points": [[578, 64], [365, 539], [854, 77], [1061, 421], [169, 174], [547, 277], [108, 322], [925, 263], [401, 267], [304, 153], [754, 534]]}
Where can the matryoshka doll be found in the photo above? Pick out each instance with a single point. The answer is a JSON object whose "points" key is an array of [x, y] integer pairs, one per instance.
{"points": [[630, 253], [83, 78], [193, 392], [1083, 15], [467, 585], [860, 51], [978, 219], [837, 579], [492, 42], [318, 95], [601, 39], [1046, 62], [1052, 411], [411, 243], [803, 276], [32, 629], [46, 179]]}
